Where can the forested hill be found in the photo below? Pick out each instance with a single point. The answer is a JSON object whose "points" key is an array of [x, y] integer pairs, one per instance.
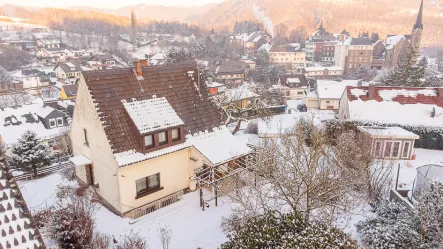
{"points": [[382, 16]]}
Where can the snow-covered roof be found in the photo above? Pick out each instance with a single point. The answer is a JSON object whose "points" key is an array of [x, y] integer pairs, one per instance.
{"points": [[16, 227], [397, 105], [280, 123], [152, 114], [213, 145], [219, 146], [292, 80], [45, 111], [49, 41], [393, 40], [395, 112], [388, 132], [14, 122], [333, 89], [316, 69], [80, 160]]}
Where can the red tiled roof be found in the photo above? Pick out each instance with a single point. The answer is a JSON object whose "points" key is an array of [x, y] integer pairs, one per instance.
{"points": [[417, 99], [109, 87]]}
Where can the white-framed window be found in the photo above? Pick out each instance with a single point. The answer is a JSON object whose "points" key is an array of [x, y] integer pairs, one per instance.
{"points": [[175, 134], [162, 137], [388, 149], [59, 121], [149, 141], [52, 123], [406, 148], [396, 149], [377, 148]]}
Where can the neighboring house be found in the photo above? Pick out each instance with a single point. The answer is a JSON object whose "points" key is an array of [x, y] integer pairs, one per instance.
{"points": [[311, 100], [353, 53], [147, 136], [68, 72], [214, 87], [233, 74], [72, 53], [32, 79], [48, 43], [102, 61], [390, 142], [323, 72], [17, 224], [52, 118], [157, 59], [378, 54], [240, 97], [287, 57], [21, 45], [68, 92], [330, 93], [65, 106], [250, 42], [324, 51], [393, 105], [50, 55], [15, 121], [296, 85]]}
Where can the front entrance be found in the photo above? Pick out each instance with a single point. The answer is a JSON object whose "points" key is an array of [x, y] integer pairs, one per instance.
{"points": [[89, 174]]}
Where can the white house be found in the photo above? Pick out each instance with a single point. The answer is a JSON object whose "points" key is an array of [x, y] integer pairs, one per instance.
{"points": [[328, 94], [48, 42], [50, 54], [102, 61], [68, 72], [323, 72]]}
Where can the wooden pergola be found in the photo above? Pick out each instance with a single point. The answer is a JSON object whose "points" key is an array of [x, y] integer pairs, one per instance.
{"points": [[211, 175]]}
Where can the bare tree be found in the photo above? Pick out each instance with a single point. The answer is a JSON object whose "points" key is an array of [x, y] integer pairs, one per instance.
{"points": [[132, 241], [299, 34], [65, 141], [165, 236], [281, 34], [303, 172], [239, 104], [13, 59]]}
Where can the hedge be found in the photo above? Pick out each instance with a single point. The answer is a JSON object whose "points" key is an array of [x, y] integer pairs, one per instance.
{"points": [[430, 137]]}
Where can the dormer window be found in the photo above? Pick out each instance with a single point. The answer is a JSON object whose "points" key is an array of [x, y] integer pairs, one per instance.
{"points": [[163, 138], [149, 141], [175, 134]]}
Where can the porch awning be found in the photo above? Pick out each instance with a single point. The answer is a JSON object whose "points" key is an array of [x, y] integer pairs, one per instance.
{"points": [[80, 160], [221, 146]]}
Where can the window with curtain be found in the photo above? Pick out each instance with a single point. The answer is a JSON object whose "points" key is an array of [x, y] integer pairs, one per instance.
{"points": [[162, 137], [147, 184], [175, 134]]}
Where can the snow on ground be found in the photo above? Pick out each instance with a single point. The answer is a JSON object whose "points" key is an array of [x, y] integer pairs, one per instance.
{"points": [[408, 169], [191, 226]]}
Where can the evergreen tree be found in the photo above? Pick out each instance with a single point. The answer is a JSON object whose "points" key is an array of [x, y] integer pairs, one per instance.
{"points": [[29, 153], [434, 81], [423, 62], [375, 37], [406, 74], [363, 73], [273, 230], [262, 58]]}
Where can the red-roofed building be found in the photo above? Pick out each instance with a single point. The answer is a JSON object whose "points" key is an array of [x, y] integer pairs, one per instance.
{"points": [[397, 105]]}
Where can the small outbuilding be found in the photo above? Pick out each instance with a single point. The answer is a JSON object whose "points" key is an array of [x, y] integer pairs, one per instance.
{"points": [[390, 142]]}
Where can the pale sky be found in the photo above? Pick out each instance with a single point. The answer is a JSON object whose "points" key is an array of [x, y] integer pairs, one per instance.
{"points": [[104, 4]]}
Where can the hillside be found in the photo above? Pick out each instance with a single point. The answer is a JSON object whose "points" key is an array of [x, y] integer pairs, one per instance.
{"points": [[157, 12], [382, 16]]}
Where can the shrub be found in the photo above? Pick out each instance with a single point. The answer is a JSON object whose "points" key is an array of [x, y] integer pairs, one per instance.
{"points": [[73, 223], [68, 173], [252, 128], [273, 230]]}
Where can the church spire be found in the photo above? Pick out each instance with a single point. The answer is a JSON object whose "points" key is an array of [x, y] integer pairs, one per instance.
{"points": [[419, 23]]}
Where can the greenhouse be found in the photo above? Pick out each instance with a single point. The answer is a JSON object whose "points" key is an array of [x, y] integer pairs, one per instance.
{"points": [[426, 175]]}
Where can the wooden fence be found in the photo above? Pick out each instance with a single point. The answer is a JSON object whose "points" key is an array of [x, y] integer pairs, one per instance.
{"points": [[46, 170]]}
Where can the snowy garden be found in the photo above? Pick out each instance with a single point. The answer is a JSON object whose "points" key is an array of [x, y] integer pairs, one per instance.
{"points": [[357, 221]]}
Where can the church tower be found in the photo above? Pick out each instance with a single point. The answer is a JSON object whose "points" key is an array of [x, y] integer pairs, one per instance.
{"points": [[417, 30]]}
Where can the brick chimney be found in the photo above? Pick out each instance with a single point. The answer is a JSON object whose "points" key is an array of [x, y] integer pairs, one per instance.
{"points": [[371, 92], [440, 92], [144, 62], [138, 68]]}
